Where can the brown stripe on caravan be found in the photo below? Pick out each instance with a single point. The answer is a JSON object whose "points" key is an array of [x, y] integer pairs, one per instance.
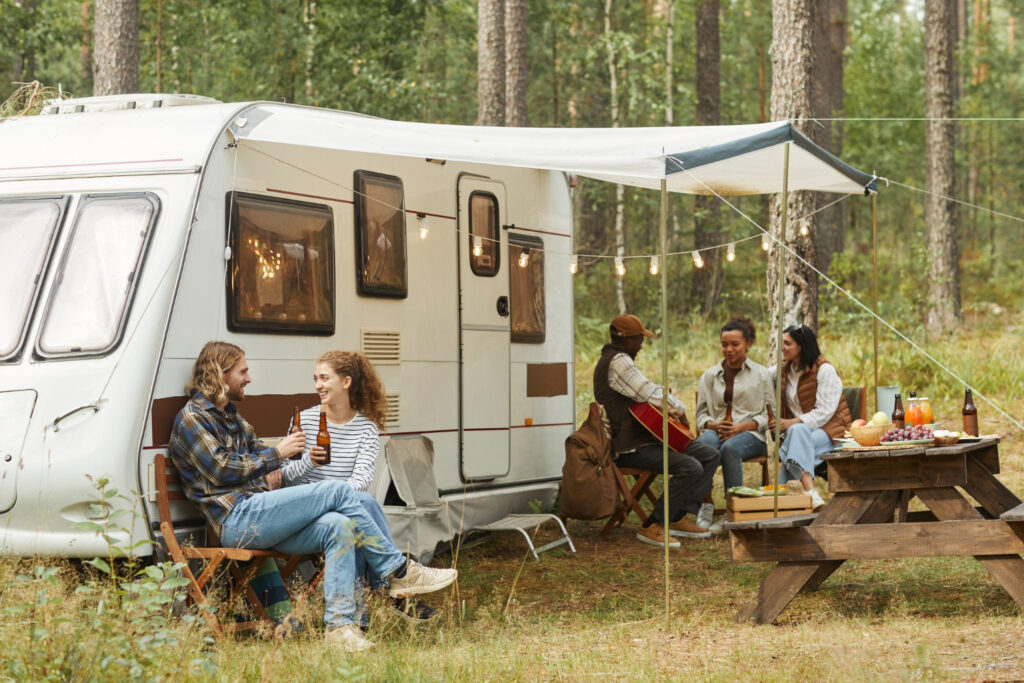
{"points": [[267, 413], [547, 379]]}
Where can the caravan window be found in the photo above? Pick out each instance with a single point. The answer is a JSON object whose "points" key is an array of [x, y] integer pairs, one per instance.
{"points": [[380, 235], [98, 272], [281, 277], [27, 228], [484, 236], [526, 288]]}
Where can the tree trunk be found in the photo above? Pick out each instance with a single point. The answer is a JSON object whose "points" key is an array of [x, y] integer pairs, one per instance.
{"points": [[115, 47], [706, 286], [830, 41], [620, 204], [793, 27], [516, 66], [940, 212], [309, 17], [490, 87]]}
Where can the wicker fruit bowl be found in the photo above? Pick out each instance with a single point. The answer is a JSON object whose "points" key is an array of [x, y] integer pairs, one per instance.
{"points": [[947, 438], [869, 435]]}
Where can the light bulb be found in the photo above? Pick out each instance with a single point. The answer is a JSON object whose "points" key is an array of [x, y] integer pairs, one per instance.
{"points": [[478, 246], [574, 264], [698, 260], [524, 258], [764, 241], [730, 253], [620, 268], [654, 265], [803, 230]]}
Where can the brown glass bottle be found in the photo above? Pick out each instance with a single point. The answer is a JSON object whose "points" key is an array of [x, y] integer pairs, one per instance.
{"points": [[970, 413], [295, 426], [323, 438], [898, 414]]}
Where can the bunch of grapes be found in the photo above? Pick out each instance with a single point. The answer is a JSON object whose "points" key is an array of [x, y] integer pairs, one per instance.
{"points": [[908, 433]]}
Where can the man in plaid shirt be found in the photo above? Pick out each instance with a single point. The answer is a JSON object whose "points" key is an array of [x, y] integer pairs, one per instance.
{"points": [[223, 467], [618, 383]]}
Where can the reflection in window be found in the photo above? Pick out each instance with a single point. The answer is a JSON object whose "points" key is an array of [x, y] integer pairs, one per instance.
{"points": [[282, 272], [526, 288], [97, 276], [26, 233], [484, 255], [380, 235]]}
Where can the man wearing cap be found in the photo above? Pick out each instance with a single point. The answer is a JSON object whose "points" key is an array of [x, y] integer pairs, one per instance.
{"points": [[618, 383]]}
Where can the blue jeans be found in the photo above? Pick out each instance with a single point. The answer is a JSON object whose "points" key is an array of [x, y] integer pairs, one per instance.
{"points": [[327, 517], [800, 450], [734, 451]]}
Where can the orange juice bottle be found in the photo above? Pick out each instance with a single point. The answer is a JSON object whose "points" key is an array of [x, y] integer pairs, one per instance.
{"points": [[914, 416], [927, 416]]}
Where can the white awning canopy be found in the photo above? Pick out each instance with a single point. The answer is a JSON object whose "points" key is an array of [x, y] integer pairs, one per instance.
{"points": [[728, 160]]}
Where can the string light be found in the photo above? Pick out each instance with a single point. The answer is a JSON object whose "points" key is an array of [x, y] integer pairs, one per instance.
{"points": [[698, 260], [764, 241], [574, 264], [730, 253], [654, 265], [524, 258], [803, 230], [424, 226], [478, 246], [620, 267]]}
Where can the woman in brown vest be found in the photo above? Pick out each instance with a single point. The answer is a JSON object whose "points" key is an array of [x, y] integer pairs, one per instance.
{"points": [[814, 413]]}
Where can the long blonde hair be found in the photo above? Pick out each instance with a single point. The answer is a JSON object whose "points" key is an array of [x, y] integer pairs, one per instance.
{"points": [[214, 360], [366, 393]]}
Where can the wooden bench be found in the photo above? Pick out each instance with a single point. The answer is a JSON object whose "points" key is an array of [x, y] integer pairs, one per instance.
{"points": [[213, 560]]}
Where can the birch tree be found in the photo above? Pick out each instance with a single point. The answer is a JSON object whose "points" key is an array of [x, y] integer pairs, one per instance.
{"points": [[115, 47]]}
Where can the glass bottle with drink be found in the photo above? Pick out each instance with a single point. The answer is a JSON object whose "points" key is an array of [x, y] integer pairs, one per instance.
{"points": [[295, 426], [899, 416], [970, 413], [323, 438], [914, 411], [927, 416]]}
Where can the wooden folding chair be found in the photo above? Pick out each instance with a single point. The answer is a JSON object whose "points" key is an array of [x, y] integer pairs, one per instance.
{"points": [[213, 558], [630, 496]]}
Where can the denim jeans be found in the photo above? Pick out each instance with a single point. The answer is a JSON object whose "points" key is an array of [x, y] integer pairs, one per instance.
{"points": [[800, 450], [734, 451], [327, 517], [691, 474]]}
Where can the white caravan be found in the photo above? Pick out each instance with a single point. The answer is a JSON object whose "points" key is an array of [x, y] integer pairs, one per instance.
{"points": [[134, 229]]}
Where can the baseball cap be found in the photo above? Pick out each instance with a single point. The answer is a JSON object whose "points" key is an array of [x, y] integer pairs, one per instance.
{"points": [[629, 326]]}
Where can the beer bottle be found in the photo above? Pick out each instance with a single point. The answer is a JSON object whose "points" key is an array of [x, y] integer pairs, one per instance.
{"points": [[323, 437], [898, 415], [970, 414], [295, 426]]}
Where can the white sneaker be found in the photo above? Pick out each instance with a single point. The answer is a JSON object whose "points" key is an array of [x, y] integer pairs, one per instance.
{"points": [[348, 638], [816, 500], [420, 579], [716, 528], [705, 515]]}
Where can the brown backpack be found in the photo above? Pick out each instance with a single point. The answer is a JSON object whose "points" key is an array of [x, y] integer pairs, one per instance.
{"points": [[588, 485]]}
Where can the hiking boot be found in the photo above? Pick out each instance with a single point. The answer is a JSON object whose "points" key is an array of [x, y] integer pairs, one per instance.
{"points": [[413, 611], [348, 638], [420, 579], [705, 516], [655, 535], [684, 528]]}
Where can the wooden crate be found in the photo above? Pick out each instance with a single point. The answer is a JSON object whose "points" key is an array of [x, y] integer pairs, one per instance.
{"points": [[741, 509]]}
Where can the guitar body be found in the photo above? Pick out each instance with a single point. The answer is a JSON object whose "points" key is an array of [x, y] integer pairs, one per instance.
{"points": [[679, 437]]}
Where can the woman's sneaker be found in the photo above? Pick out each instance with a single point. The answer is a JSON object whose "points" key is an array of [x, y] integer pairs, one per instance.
{"points": [[420, 579], [705, 516], [348, 638], [816, 500]]}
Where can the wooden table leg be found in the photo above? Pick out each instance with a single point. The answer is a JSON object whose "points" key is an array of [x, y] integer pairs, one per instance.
{"points": [[1008, 570], [787, 578], [906, 495], [987, 490]]}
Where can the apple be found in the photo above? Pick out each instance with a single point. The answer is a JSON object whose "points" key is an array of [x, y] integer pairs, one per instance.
{"points": [[859, 422], [879, 418]]}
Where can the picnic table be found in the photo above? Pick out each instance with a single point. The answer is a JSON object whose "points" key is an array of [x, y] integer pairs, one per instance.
{"points": [[867, 519]]}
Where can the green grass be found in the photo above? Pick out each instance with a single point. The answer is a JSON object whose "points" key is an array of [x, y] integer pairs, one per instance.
{"points": [[599, 614]]}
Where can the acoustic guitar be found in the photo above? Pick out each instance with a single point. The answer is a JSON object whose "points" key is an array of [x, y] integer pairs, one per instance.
{"points": [[679, 437]]}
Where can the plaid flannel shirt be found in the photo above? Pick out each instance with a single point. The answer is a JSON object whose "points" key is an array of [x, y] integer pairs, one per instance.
{"points": [[220, 460]]}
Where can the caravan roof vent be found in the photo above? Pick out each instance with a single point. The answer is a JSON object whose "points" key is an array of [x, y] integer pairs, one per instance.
{"points": [[382, 347], [123, 102], [393, 411]]}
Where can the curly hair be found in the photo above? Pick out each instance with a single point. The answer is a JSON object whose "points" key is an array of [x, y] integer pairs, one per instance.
{"points": [[213, 361], [366, 393], [744, 325]]}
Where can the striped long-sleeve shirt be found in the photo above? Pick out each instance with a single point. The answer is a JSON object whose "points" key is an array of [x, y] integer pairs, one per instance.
{"points": [[354, 449], [220, 460]]}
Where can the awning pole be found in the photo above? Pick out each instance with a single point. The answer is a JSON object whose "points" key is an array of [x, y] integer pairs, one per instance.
{"points": [[779, 379], [874, 288], [664, 378]]}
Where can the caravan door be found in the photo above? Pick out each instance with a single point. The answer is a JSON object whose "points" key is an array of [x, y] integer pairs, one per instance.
{"points": [[483, 329]]}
